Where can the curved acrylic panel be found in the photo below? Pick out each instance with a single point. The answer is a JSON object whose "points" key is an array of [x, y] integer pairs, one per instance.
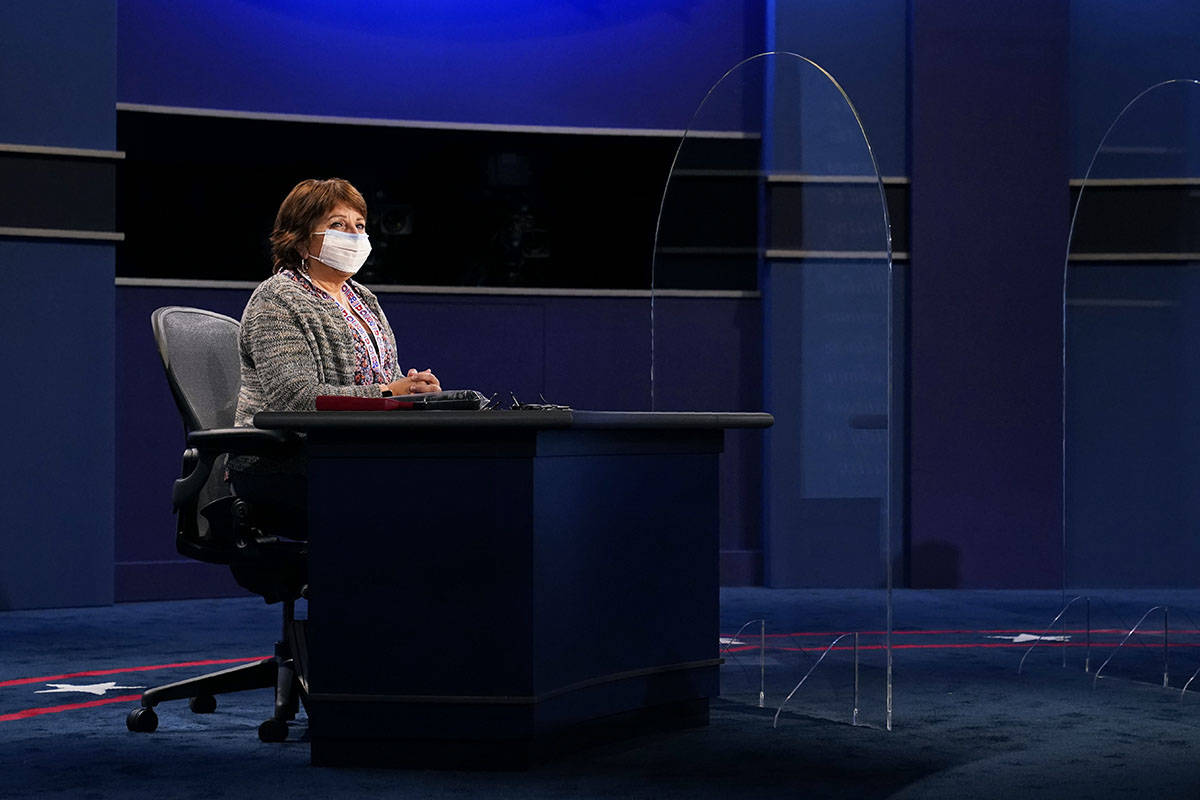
{"points": [[788, 220], [1131, 390]]}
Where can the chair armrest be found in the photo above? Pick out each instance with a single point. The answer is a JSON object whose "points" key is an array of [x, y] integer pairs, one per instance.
{"points": [[205, 446], [244, 441]]}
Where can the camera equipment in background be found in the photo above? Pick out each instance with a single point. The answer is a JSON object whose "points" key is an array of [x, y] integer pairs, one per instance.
{"points": [[388, 223]]}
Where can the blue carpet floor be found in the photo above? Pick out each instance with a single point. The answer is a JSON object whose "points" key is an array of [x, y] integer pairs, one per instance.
{"points": [[965, 722]]}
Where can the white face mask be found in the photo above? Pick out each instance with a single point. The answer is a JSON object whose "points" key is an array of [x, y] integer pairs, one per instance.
{"points": [[343, 251]]}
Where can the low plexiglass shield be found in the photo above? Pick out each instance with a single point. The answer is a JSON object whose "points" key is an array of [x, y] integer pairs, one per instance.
{"points": [[772, 289], [1130, 611]]}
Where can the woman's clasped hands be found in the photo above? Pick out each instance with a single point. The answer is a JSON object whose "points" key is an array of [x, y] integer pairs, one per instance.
{"points": [[415, 383]]}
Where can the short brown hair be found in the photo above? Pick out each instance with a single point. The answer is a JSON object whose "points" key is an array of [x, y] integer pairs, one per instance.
{"points": [[306, 203]]}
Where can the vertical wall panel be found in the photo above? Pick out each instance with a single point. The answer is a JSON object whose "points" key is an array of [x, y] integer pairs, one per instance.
{"points": [[825, 320], [989, 211], [56, 423], [57, 89]]}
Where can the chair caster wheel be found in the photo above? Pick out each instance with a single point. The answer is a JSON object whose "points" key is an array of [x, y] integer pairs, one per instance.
{"points": [[273, 730], [203, 704], [142, 720]]}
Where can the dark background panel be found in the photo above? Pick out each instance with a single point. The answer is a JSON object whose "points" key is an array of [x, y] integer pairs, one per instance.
{"points": [[61, 193], [198, 196], [1136, 219], [836, 216], [710, 211]]}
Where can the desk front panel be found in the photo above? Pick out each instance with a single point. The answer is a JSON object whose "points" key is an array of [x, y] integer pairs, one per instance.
{"points": [[522, 583]]}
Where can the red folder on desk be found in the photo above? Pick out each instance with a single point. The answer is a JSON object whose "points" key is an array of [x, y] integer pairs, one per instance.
{"points": [[459, 399], [338, 402]]}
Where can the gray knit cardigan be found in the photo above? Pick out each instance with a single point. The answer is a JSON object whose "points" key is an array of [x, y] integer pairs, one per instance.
{"points": [[295, 346]]}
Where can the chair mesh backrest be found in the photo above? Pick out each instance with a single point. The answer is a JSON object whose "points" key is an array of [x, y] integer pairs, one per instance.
{"points": [[200, 352]]}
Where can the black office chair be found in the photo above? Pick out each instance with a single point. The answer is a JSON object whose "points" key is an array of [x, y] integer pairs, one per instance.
{"points": [[199, 350]]}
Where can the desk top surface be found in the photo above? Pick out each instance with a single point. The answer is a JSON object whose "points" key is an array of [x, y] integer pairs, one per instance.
{"points": [[575, 420]]}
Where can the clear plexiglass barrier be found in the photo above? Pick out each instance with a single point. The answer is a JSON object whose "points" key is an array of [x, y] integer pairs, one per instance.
{"points": [[1130, 608], [774, 230]]}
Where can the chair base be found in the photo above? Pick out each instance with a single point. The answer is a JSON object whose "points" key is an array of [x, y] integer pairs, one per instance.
{"points": [[285, 671]]}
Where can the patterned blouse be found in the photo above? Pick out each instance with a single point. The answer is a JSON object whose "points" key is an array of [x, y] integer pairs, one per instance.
{"points": [[372, 365], [294, 348]]}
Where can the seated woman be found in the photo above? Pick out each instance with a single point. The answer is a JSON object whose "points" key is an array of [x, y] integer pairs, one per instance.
{"points": [[310, 330]]}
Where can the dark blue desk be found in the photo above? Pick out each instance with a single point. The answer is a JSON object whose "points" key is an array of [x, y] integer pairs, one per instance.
{"points": [[489, 587]]}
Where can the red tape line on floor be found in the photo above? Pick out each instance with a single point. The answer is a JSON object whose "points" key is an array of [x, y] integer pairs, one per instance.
{"points": [[34, 712], [94, 672]]}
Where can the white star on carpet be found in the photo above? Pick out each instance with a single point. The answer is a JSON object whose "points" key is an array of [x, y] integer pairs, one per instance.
{"points": [[1025, 638], [88, 688]]}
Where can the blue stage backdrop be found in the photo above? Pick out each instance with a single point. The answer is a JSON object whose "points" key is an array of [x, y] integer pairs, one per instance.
{"points": [[1119, 49], [628, 63], [864, 46], [57, 69]]}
